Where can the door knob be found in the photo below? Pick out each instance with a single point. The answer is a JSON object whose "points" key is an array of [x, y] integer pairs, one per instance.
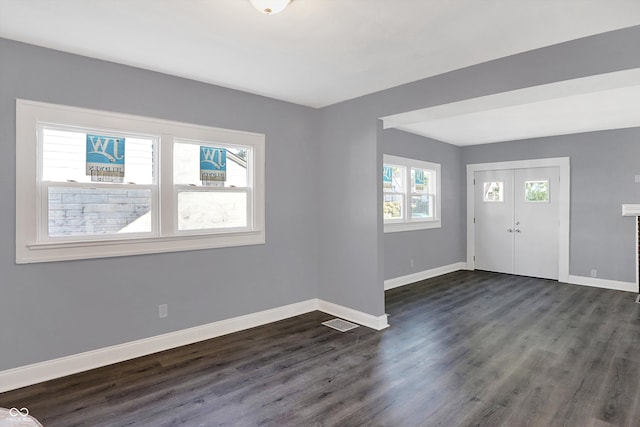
{"points": [[509, 230], [517, 230]]}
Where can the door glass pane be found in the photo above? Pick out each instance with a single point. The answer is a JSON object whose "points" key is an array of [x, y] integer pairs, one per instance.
{"points": [[201, 210], [536, 191], [393, 206], [493, 191]]}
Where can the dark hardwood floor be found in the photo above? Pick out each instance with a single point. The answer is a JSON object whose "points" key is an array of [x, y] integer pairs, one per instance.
{"points": [[464, 349]]}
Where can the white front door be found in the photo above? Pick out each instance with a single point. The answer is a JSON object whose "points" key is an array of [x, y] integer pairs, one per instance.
{"points": [[517, 221], [537, 222], [494, 220]]}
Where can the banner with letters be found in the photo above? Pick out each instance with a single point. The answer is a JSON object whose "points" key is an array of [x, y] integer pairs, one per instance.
{"points": [[213, 166], [105, 158], [419, 180], [387, 177]]}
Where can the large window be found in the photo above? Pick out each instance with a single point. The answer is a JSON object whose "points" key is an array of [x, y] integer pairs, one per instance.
{"points": [[411, 194], [95, 184]]}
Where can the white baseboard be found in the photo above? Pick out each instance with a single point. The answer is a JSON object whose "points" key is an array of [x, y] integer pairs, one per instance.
{"points": [[603, 283], [374, 322], [423, 275], [43, 371]]}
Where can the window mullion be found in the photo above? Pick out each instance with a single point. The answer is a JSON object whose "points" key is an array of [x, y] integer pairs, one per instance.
{"points": [[407, 193], [167, 197]]}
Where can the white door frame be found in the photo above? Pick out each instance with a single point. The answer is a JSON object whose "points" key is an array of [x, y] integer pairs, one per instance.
{"points": [[564, 194]]}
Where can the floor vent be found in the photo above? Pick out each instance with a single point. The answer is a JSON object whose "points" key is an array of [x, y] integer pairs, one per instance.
{"points": [[340, 325]]}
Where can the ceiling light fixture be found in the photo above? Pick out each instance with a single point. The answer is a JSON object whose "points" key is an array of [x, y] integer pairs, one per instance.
{"points": [[270, 7]]}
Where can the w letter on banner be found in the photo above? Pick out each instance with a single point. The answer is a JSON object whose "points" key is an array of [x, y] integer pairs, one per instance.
{"points": [[105, 158]]}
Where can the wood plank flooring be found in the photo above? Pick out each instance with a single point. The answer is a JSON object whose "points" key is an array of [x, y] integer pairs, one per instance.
{"points": [[464, 349]]}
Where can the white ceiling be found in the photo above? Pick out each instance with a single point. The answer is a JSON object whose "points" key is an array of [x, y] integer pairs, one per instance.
{"points": [[316, 52], [601, 102]]}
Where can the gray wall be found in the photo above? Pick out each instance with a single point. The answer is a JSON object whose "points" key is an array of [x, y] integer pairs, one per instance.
{"points": [[603, 169], [56, 309], [351, 271], [439, 246], [324, 225], [350, 253]]}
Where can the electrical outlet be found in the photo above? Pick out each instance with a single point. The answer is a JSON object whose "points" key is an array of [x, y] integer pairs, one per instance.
{"points": [[411, 262], [163, 311], [594, 273]]}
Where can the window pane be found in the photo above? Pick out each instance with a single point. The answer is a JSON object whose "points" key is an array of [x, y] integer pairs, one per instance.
{"points": [[493, 191], [420, 180], [420, 207], [536, 191], [218, 165], [98, 211], [201, 210], [393, 179], [66, 154], [393, 206]]}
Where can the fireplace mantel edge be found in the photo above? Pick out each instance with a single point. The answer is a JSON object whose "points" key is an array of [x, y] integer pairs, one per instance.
{"points": [[631, 210]]}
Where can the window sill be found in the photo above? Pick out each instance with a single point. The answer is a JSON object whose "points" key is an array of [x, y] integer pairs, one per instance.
{"points": [[65, 251], [411, 226]]}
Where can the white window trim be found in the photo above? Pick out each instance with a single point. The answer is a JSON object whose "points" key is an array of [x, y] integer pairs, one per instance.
{"points": [[29, 114], [408, 224]]}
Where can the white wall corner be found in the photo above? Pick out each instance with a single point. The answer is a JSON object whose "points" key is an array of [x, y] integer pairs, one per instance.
{"points": [[603, 283], [423, 275], [32, 374], [374, 322]]}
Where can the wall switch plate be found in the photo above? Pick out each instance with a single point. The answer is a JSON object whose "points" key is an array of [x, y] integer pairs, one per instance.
{"points": [[163, 311], [411, 262], [594, 273], [637, 178]]}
